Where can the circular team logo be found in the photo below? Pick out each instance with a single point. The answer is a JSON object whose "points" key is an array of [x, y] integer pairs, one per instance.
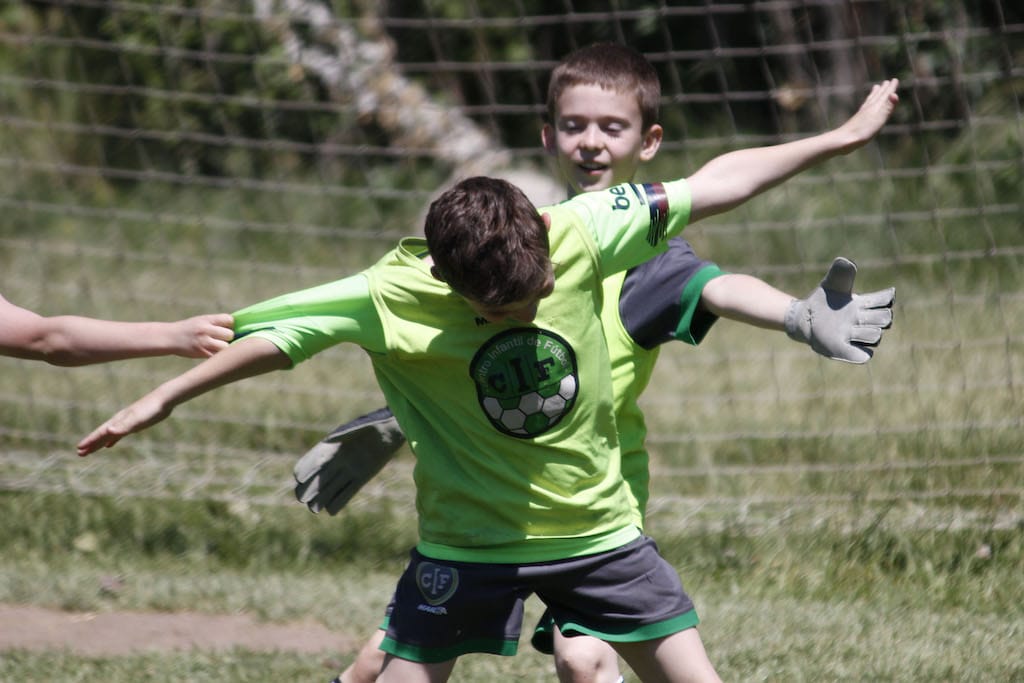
{"points": [[436, 582], [526, 380]]}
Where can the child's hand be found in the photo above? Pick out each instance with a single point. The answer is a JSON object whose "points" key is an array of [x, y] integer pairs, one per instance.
{"points": [[203, 335], [837, 323], [872, 115], [145, 412]]}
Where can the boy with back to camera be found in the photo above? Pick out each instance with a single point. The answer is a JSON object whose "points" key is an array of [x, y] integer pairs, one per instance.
{"points": [[498, 303], [602, 108]]}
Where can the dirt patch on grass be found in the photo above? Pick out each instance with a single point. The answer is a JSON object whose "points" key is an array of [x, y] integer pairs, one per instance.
{"points": [[119, 633]]}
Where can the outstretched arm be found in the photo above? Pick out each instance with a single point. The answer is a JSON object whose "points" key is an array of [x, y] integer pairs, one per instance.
{"points": [[71, 340], [746, 299], [731, 179], [247, 358], [833, 320]]}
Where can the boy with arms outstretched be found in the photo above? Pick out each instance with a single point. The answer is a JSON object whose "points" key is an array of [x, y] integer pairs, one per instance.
{"points": [[602, 108], [71, 340], [491, 308], [500, 305]]}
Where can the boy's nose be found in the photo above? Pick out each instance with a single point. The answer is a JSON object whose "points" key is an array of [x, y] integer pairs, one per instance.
{"points": [[591, 138]]}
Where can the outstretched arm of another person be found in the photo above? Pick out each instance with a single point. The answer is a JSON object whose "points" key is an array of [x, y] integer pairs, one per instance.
{"points": [[247, 358], [746, 299], [71, 340], [732, 178], [833, 320]]}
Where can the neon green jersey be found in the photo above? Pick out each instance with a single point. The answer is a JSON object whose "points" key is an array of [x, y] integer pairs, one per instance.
{"points": [[669, 289], [512, 425]]}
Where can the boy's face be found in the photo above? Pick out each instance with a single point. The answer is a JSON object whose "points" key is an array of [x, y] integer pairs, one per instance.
{"points": [[597, 137]]}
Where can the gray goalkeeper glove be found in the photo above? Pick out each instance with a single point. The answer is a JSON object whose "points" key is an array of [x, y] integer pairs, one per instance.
{"points": [[332, 471], [837, 323]]}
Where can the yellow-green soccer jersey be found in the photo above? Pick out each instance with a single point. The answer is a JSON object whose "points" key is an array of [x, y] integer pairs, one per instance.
{"points": [[512, 425], [652, 303]]}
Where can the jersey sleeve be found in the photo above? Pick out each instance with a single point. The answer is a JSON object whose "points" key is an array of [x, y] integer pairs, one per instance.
{"points": [[631, 223], [660, 299], [304, 323]]}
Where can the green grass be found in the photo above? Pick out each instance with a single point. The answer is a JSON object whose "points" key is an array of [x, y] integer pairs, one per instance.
{"points": [[878, 604]]}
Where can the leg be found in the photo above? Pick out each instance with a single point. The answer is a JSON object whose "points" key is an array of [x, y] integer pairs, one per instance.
{"points": [[403, 671], [367, 664], [677, 658], [584, 659]]}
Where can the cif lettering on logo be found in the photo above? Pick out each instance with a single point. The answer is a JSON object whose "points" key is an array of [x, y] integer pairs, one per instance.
{"points": [[526, 380], [436, 582]]}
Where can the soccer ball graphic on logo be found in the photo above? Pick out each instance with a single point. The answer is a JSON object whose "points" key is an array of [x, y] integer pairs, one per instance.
{"points": [[533, 412], [526, 380]]}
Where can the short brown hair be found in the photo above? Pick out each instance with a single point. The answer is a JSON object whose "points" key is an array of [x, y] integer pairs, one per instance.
{"points": [[611, 66], [488, 241]]}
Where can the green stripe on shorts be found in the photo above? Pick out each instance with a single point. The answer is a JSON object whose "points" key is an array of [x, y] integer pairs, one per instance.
{"points": [[635, 634]]}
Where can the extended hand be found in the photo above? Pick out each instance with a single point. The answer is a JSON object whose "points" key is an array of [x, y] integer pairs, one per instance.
{"points": [[872, 115], [203, 335], [837, 323], [145, 412]]}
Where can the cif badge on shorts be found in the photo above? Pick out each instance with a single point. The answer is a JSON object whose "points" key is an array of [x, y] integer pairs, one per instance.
{"points": [[436, 582], [526, 380]]}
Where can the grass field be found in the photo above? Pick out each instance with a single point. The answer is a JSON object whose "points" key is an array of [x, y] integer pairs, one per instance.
{"points": [[870, 606]]}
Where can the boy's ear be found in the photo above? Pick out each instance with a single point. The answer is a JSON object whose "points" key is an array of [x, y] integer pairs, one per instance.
{"points": [[652, 141], [547, 138], [436, 273]]}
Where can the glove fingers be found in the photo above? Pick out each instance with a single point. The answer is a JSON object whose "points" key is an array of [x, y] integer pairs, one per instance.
{"points": [[848, 353], [331, 483], [840, 276], [883, 298], [866, 336], [306, 491], [875, 317], [310, 463], [858, 355], [340, 500]]}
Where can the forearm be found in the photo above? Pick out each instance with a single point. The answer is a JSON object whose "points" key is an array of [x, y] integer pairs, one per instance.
{"points": [[72, 340], [69, 340], [732, 178], [746, 299], [247, 358]]}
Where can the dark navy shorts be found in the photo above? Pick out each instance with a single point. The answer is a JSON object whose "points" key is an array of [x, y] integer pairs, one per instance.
{"points": [[445, 609]]}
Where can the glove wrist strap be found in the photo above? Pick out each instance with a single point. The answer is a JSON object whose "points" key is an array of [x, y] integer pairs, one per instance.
{"points": [[792, 321]]}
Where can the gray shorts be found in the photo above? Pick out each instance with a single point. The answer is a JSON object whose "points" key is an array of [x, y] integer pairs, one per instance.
{"points": [[443, 609]]}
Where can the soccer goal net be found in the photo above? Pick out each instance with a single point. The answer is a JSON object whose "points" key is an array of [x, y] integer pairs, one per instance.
{"points": [[164, 159]]}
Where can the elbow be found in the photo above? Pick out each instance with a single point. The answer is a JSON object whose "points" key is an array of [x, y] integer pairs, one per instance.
{"points": [[56, 349]]}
